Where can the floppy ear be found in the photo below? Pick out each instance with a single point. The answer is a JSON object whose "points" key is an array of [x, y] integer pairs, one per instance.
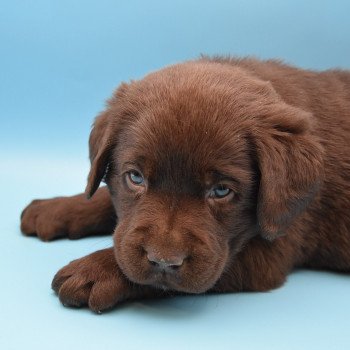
{"points": [[99, 150], [290, 160], [101, 140]]}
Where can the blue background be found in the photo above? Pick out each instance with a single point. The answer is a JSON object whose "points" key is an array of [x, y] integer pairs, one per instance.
{"points": [[59, 61]]}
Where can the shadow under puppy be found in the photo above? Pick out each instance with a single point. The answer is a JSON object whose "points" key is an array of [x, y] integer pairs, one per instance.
{"points": [[222, 175]]}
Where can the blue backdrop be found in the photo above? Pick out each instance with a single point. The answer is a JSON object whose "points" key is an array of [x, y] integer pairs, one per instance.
{"points": [[59, 61]]}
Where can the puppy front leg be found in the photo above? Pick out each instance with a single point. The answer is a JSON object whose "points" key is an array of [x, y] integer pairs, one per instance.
{"points": [[96, 281], [73, 217]]}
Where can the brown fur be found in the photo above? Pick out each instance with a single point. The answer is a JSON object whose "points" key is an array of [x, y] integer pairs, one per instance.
{"points": [[276, 136]]}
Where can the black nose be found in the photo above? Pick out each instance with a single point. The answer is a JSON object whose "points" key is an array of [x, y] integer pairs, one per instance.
{"points": [[171, 263]]}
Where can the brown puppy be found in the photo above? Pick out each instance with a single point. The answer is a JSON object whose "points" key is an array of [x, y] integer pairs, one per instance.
{"points": [[224, 175]]}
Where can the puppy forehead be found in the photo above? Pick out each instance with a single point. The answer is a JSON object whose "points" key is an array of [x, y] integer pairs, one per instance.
{"points": [[189, 149]]}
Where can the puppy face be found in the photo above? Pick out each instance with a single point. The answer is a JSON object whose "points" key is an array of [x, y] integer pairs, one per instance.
{"points": [[181, 154], [183, 192]]}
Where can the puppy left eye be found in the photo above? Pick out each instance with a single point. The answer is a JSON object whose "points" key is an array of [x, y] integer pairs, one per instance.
{"points": [[220, 191], [135, 178]]}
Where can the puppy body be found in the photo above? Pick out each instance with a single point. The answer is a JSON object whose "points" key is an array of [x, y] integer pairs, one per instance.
{"points": [[224, 174]]}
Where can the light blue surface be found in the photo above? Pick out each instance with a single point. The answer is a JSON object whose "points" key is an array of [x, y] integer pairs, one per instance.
{"points": [[59, 61]]}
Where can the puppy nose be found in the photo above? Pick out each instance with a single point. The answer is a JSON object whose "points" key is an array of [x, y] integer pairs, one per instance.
{"points": [[165, 263]]}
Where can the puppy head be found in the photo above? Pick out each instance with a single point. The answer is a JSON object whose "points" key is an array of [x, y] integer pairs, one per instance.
{"points": [[199, 158]]}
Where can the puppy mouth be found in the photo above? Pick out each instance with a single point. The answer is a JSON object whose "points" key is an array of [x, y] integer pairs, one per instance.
{"points": [[164, 280]]}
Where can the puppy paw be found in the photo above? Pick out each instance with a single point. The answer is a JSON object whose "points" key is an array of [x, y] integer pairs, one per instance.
{"points": [[94, 281], [73, 217], [45, 219], [70, 217]]}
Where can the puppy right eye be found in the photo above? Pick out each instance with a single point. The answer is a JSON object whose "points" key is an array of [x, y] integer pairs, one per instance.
{"points": [[135, 178], [221, 192]]}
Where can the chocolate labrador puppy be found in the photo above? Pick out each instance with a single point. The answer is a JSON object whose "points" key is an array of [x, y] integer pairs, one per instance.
{"points": [[222, 175]]}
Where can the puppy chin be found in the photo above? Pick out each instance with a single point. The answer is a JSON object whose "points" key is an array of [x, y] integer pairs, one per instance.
{"points": [[167, 284], [161, 281]]}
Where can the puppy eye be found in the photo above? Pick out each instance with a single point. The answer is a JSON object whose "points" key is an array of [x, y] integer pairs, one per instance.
{"points": [[220, 191], [135, 178]]}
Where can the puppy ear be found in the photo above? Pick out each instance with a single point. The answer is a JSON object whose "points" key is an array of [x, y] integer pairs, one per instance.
{"points": [[99, 150], [290, 159], [101, 140]]}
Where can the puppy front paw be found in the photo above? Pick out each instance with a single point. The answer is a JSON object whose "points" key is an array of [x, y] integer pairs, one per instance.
{"points": [[94, 281], [73, 217], [45, 219], [58, 217]]}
